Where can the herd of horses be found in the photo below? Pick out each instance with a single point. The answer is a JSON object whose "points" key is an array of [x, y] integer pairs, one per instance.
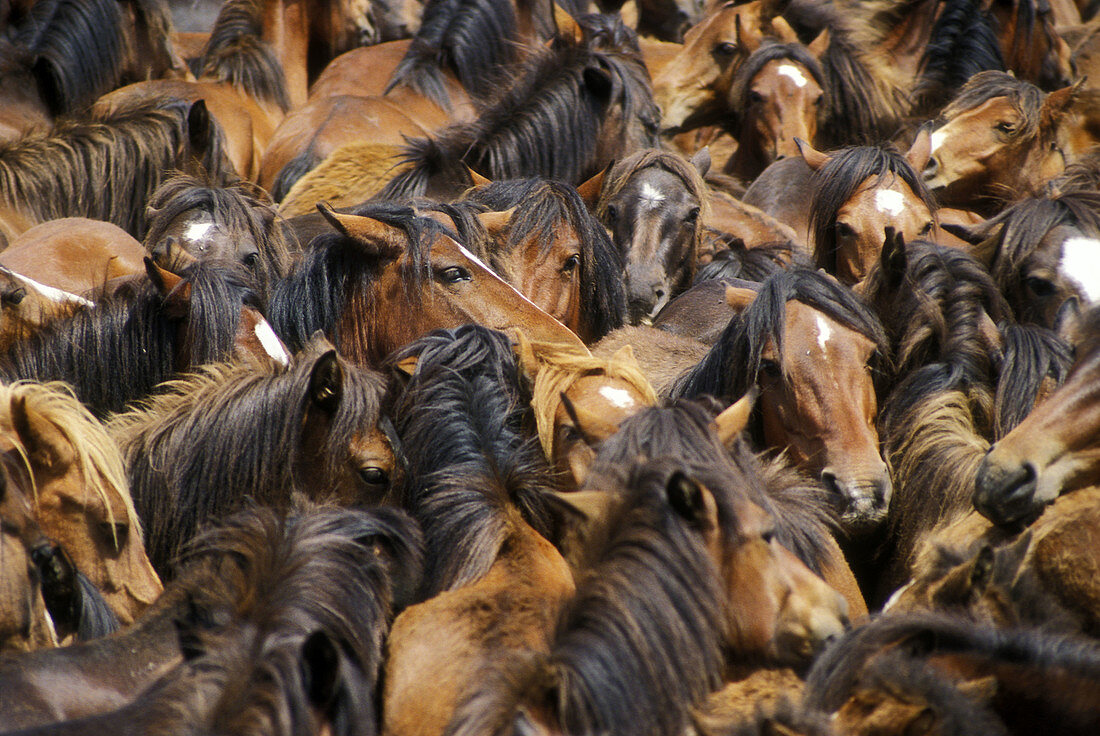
{"points": [[508, 367]]}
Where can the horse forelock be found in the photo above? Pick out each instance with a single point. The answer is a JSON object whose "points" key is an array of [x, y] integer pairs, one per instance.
{"points": [[747, 72], [1025, 98], [235, 53]]}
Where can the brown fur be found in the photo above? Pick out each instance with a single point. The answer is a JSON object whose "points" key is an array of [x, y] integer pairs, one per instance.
{"points": [[661, 355], [351, 174]]}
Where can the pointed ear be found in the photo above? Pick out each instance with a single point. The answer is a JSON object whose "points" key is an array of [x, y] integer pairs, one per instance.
{"points": [[921, 150], [1058, 103], [376, 237], [45, 445], [820, 45], [476, 178], [893, 260], [495, 222], [579, 514], [732, 422], [701, 160], [175, 291], [686, 497], [739, 298], [625, 354], [814, 159], [326, 382], [407, 366], [782, 30], [568, 28], [590, 189], [320, 663]]}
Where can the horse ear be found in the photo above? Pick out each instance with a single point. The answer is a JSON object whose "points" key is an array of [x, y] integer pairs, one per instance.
{"points": [[782, 30], [749, 42], [598, 82], [407, 366], [45, 445], [590, 189], [579, 514], [701, 160], [476, 178], [175, 291], [625, 354], [732, 422], [320, 663], [326, 382], [378, 238], [201, 128], [814, 159], [568, 28], [1058, 103], [893, 260], [685, 496], [921, 150], [820, 45], [739, 298], [495, 222]]}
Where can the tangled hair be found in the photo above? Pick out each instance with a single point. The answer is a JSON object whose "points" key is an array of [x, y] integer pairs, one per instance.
{"points": [[236, 55]]}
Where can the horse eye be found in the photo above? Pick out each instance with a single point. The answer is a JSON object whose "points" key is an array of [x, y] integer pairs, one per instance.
{"points": [[769, 369], [768, 536], [571, 263], [1039, 286], [114, 535], [755, 97], [725, 48], [926, 229], [692, 216], [373, 476], [12, 298], [612, 215], [844, 230], [251, 260], [1005, 127], [454, 274]]}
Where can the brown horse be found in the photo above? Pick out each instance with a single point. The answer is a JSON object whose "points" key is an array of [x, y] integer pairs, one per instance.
{"points": [[1002, 137], [27, 305], [81, 498], [393, 258]]}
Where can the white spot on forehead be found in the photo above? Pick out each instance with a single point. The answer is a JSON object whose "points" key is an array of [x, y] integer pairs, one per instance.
{"points": [[56, 295], [889, 202], [271, 343], [793, 73], [938, 137], [197, 230], [619, 397], [1081, 265], [651, 195], [824, 332]]}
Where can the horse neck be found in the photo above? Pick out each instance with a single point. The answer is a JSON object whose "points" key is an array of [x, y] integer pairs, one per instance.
{"points": [[286, 31]]}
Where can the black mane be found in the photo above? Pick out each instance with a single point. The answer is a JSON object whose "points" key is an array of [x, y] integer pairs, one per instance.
{"points": [[235, 54]]}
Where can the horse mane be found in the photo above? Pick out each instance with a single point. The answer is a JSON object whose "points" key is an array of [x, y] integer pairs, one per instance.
{"points": [[557, 367], [77, 50], [545, 124], [1025, 98], [963, 42], [539, 206], [461, 418], [639, 642], [730, 367], [766, 54], [332, 280], [236, 55], [1035, 359], [474, 39], [206, 441], [105, 167], [841, 177], [239, 207], [736, 261], [132, 339], [95, 618]]}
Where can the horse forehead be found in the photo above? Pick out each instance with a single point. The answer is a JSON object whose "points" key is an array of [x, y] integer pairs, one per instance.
{"points": [[655, 188], [812, 336], [891, 197]]}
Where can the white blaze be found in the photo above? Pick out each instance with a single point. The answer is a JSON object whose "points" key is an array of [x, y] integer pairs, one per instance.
{"points": [[1081, 265], [938, 137], [824, 332], [56, 295], [270, 342], [889, 202], [619, 397], [793, 73], [197, 230], [651, 194]]}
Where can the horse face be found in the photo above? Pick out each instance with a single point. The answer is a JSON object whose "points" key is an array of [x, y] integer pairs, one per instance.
{"points": [[782, 103], [861, 221], [24, 307], [653, 221], [596, 405], [1051, 452], [1063, 266], [818, 402], [200, 236], [24, 621]]}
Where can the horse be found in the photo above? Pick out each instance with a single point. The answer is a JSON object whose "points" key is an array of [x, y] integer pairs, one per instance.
{"points": [[1001, 138], [857, 193], [263, 579], [145, 332], [233, 223], [493, 582], [818, 357], [553, 251], [1034, 250], [570, 112], [73, 255], [105, 167], [80, 496], [654, 202], [388, 257], [25, 305]]}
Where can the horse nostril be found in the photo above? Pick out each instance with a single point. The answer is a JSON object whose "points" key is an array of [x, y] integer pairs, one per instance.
{"points": [[659, 293], [828, 479], [931, 169]]}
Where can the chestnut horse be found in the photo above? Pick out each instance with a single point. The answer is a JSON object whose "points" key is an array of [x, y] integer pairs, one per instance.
{"points": [[389, 258], [26, 305]]}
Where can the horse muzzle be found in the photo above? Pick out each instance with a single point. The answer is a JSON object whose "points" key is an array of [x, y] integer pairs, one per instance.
{"points": [[862, 502], [1005, 494]]}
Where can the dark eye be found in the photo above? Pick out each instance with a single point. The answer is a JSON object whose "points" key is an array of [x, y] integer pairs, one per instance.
{"points": [[726, 48], [114, 536], [755, 97], [820, 99], [571, 263], [769, 369], [454, 275], [768, 536], [251, 260], [374, 476], [612, 215], [1005, 128], [692, 216], [13, 298], [1039, 286], [844, 230], [926, 229]]}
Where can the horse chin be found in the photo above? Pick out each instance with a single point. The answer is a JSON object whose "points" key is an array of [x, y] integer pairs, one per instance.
{"points": [[862, 517]]}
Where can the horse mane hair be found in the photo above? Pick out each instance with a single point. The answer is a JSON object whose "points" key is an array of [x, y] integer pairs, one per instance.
{"points": [[76, 46], [126, 345], [742, 80], [474, 39], [640, 640], [207, 441], [95, 618], [545, 124], [683, 430], [557, 367], [1025, 98], [962, 43], [1035, 359], [470, 465], [105, 167], [331, 280], [730, 367], [239, 208], [235, 54], [736, 261], [841, 177], [540, 205]]}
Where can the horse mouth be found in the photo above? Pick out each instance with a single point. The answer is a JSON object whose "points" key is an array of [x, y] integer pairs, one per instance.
{"points": [[860, 519]]}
